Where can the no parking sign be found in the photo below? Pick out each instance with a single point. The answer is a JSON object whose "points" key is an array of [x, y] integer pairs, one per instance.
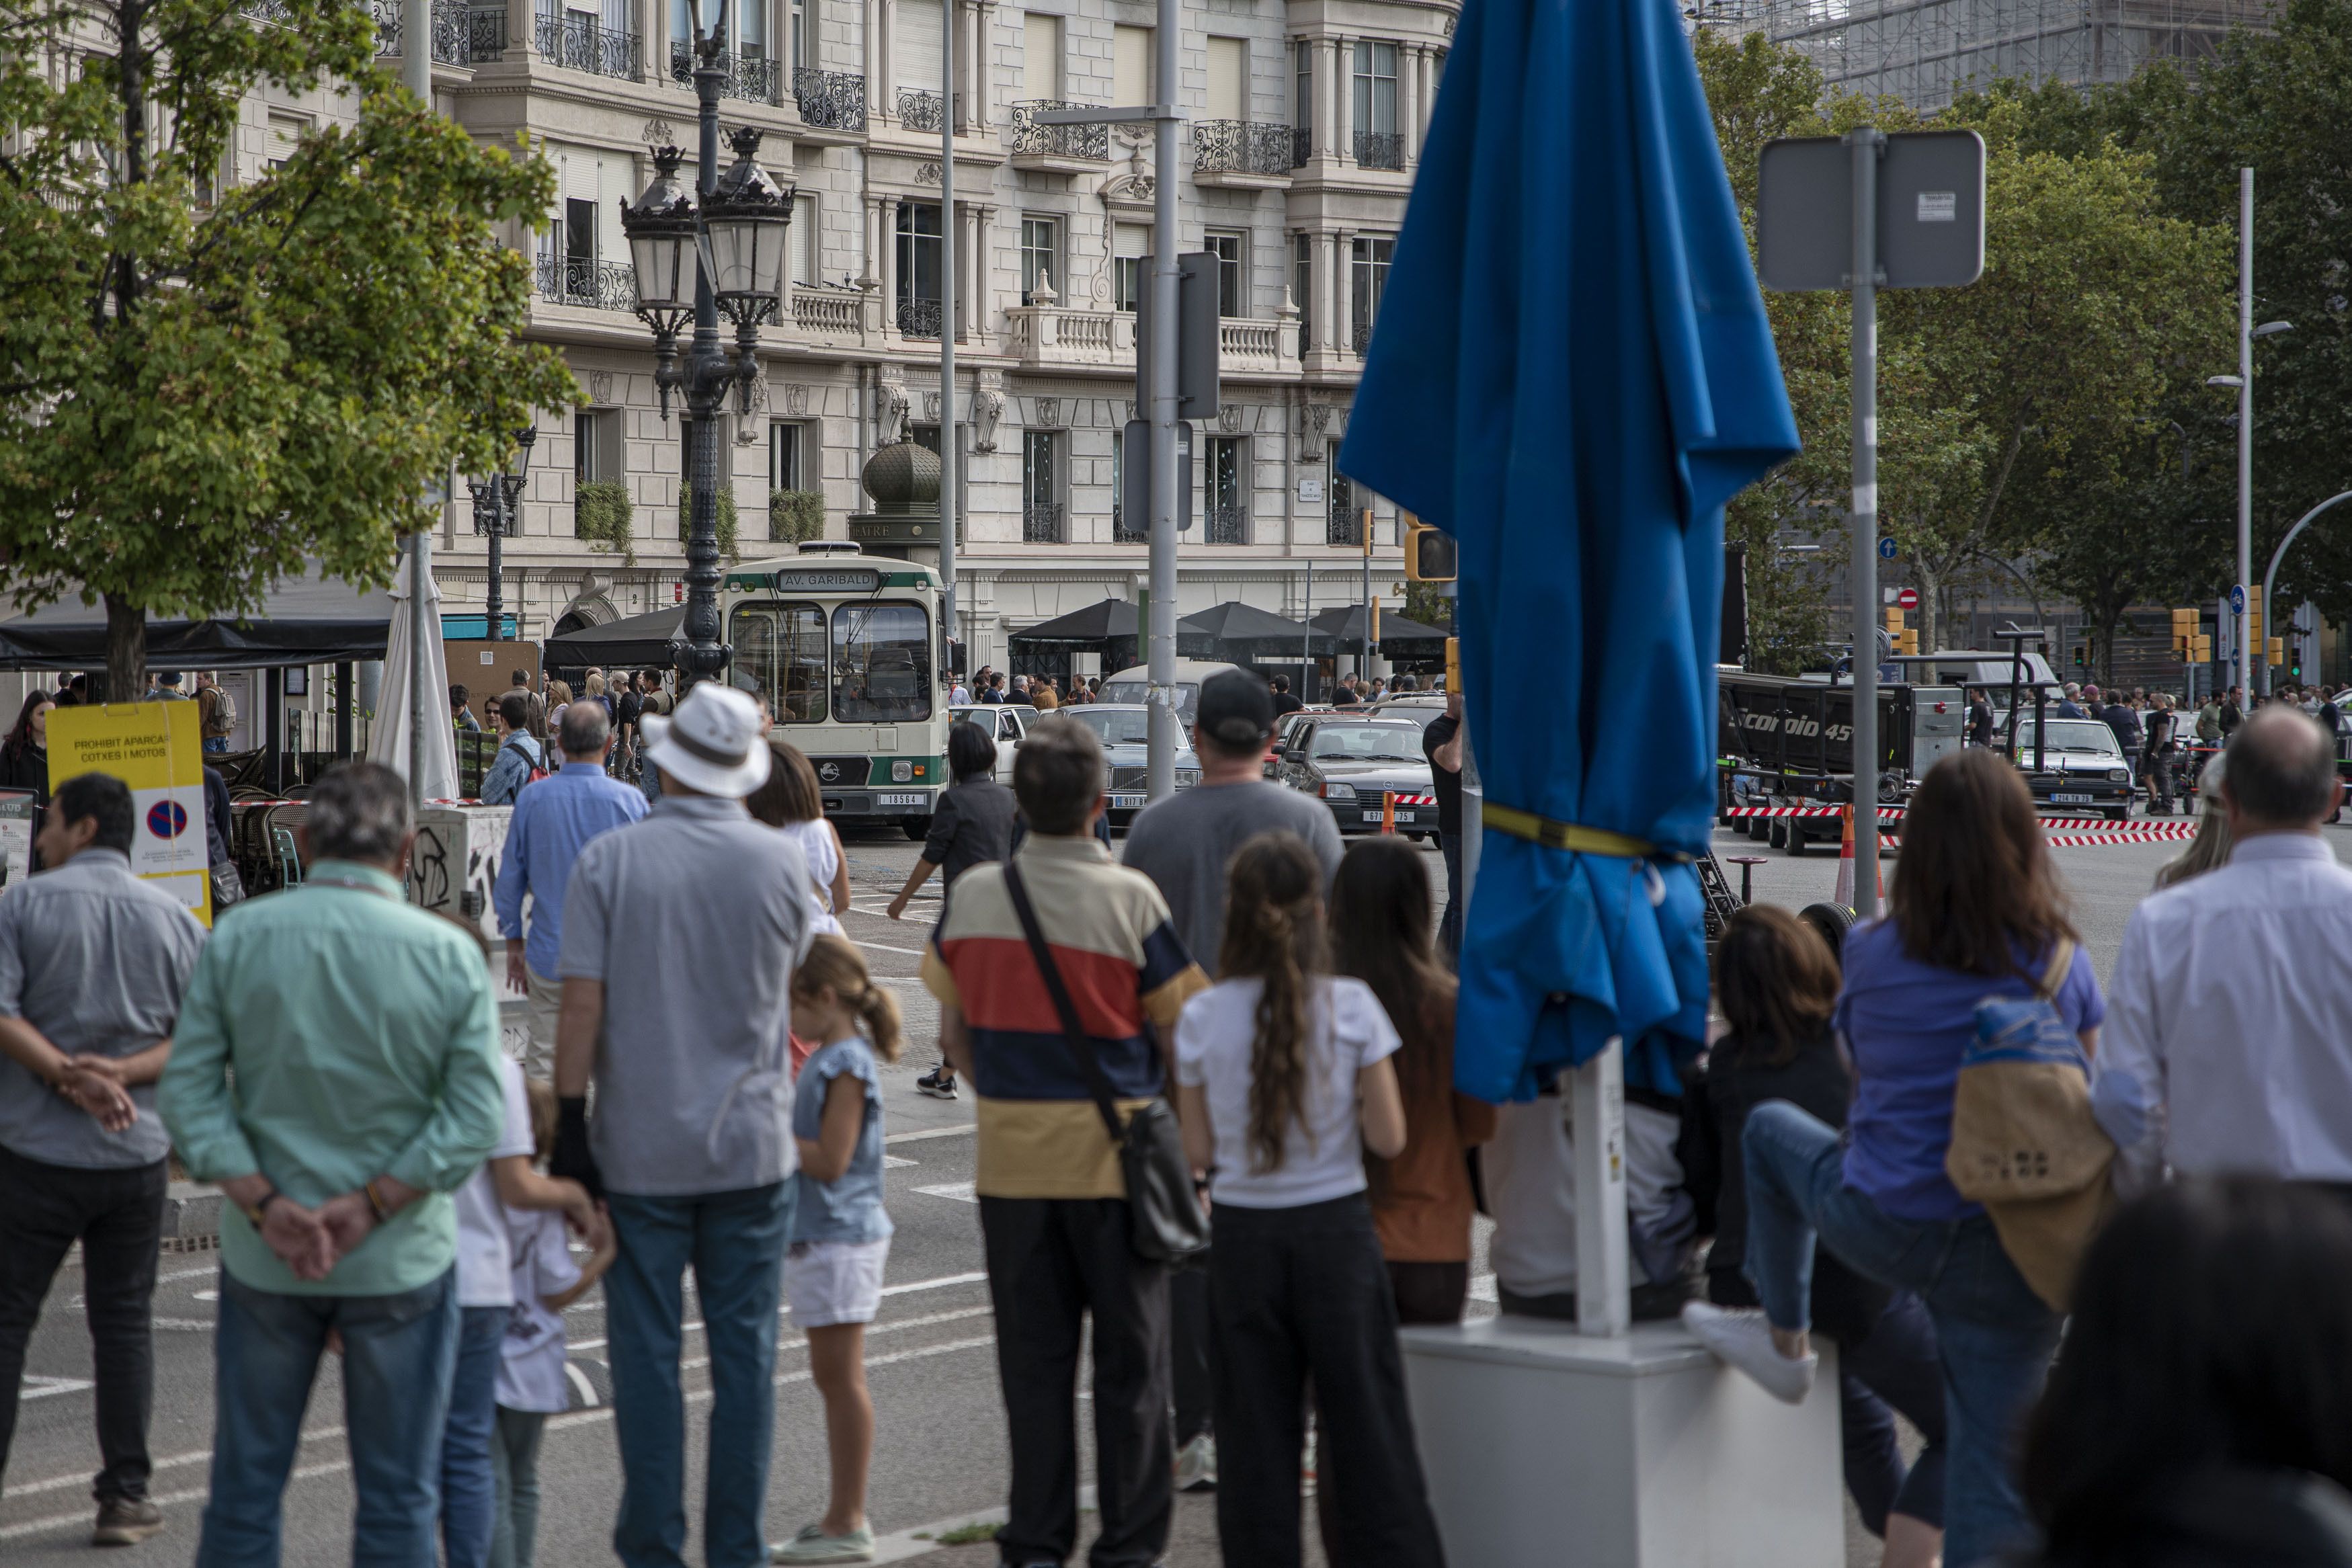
{"points": [[156, 748]]}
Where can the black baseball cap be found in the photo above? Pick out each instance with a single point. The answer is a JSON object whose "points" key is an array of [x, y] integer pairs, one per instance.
{"points": [[1237, 709]]}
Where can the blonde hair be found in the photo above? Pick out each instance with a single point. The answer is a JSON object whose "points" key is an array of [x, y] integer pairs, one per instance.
{"points": [[834, 964], [2210, 850], [595, 686], [542, 1095]]}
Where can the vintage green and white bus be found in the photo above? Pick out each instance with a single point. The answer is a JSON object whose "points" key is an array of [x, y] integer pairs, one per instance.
{"points": [[846, 650]]}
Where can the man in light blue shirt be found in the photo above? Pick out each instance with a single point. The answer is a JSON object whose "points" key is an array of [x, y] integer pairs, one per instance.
{"points": [[518, 753], [550, 823], [362, 1039]]}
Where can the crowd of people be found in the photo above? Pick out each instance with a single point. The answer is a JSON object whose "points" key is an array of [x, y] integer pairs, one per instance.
{"points": [[702, 1090]]}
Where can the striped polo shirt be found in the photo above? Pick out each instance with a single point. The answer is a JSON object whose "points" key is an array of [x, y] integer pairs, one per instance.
{"points": [[1040, 1135]]}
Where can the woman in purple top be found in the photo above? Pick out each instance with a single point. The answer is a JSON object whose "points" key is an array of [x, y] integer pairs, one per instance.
{"points": [[1977, 913]]}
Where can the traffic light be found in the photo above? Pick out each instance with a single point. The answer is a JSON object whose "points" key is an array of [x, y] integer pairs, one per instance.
{"points": [[2184, 635], [1430, 553], [2204, 649], [2275, 651], [1365, 532], [2254, 617], [2081, 652]]}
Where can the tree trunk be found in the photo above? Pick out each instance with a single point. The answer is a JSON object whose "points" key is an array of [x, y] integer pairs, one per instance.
{"points": [[1931, 604], [126, 651]]}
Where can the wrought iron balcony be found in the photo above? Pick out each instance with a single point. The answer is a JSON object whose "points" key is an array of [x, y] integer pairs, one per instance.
{"points": [[1302, 145], [462, 35], [919, 318], [1380, 148], [598, 284], [1362, 338], [583, 43], [1058, 141], [748, 78], [1238, 147], [830, 101], [920, 110], [1342, 526], [1041, 523], [1120, 534], [1228, 524]]}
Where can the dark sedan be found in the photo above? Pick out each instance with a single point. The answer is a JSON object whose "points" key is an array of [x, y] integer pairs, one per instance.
{"points": [[1351, 762]]}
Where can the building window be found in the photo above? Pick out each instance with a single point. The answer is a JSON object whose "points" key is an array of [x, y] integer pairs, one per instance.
{"points": [[1130, 65], [1302, 287], [801, 20], [918, 269], [1228, 79], [1228, 489], [805, 244], [785, 456], [1041, 256], [1302, 102], [597, 457], [1041, 55], [1040, 496], [1229, 247], [1378, 145], [1344, 524], [1368, 269], [1129, 243]]}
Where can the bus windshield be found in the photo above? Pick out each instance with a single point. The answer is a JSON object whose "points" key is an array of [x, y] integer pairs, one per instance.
{"points": [[881, 664], [779, 658]]}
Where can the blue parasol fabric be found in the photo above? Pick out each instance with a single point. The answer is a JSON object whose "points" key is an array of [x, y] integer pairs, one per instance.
{"points": [[1572, 374]]}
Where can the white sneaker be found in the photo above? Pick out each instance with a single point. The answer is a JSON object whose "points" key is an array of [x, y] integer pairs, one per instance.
{"points": [[1196, 1465], [1742, 1338]]}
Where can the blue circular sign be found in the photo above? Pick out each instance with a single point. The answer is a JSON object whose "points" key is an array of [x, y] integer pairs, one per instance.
{"points": [[167, 819], [1886, 548], [2238, 600]]}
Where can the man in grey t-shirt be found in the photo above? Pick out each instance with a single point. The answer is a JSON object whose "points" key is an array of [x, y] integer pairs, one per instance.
{"points": [[93, 965], [1183, 844]]}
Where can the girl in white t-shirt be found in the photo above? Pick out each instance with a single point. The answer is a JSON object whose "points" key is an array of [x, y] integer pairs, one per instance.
{"points": [[1284, 1080]]}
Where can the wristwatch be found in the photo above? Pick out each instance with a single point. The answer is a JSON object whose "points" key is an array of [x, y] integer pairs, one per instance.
{"points": [[257, 1211]]}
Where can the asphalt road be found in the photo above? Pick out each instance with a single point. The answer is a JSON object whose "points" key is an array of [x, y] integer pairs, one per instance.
{"points": [[940, 1455]]}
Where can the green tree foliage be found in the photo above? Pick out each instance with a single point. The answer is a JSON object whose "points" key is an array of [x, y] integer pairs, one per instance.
{"points": [[795, 516], [726, 520], [203, 390]]}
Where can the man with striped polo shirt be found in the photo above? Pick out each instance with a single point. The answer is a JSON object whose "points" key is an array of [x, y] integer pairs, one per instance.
{"points": [[1053, 1206]]}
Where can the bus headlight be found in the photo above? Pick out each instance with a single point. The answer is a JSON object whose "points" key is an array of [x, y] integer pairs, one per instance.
{"points": [[901, 772]]}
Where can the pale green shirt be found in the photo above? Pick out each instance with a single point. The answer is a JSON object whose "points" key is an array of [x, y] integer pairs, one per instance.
{"points": [[334, 1033]]}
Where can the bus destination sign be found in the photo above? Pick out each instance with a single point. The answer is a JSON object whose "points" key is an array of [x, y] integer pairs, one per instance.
{"points": [[829, 579]]}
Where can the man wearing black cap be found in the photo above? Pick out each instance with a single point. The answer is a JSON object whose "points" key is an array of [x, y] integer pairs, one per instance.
{"points": [[1182, 844]]}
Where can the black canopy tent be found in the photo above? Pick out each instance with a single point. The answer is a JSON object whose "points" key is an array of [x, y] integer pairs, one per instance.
{"points": [[1109, 627], [1242, 632], [1344, 624], [632, 642]]}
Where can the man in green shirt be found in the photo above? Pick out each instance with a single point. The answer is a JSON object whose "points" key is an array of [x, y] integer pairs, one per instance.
{"points": [[363, 1035]]}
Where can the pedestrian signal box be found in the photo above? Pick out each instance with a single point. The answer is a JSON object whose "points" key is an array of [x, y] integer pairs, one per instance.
{"points": [[1430, 553]]}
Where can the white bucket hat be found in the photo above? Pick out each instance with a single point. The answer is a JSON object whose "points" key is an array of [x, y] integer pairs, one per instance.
{"points": [[713, 743]]}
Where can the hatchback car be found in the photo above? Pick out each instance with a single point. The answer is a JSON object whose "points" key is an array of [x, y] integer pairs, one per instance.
{"points": [[1351, 762], [2084, 767], [1124, 729]]}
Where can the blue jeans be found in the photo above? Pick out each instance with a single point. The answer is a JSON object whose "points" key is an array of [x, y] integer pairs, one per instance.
{"points": [[399, 1352], [1994, 1336], [514, 1459], [1894, 1368], [468, 1491], [217, 743], [735, 1240]]}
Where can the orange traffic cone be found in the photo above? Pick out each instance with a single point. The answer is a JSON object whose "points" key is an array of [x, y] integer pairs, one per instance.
{"points": [[1846, 865]]}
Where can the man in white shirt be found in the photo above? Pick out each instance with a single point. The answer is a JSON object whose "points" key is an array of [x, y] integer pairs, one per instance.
{"points": [[2228, 1046]]}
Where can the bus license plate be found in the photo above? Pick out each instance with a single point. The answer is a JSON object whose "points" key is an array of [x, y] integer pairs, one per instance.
{"points": [[902, 799], [1129, 802], [2074, 799]]}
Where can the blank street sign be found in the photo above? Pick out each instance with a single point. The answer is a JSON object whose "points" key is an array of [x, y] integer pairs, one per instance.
{"points": [[1930, 212]]}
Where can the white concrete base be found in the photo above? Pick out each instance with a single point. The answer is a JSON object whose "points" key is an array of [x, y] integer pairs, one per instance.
{"points": [[1547, 1449]]}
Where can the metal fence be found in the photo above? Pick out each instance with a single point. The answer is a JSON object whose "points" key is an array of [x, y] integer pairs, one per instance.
{"points": [[1380, 148], [751, 80], [583, 43], [1228, 525], [830, 101], [598, 285], [1041, 523], [1239, 147], [1058, 141], [462, 35], [920, 111], [919, 318]]}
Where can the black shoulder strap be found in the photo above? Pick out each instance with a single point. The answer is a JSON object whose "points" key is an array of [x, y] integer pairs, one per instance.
{"points": [[1080, 1046]]}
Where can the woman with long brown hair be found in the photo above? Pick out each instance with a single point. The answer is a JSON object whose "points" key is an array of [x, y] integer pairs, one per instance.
{"points": [[1284, 1080], [1978, 914], [1422, 1201]]}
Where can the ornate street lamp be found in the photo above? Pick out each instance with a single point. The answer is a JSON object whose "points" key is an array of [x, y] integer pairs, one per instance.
{"points": [[496, 514], [736, 242]]}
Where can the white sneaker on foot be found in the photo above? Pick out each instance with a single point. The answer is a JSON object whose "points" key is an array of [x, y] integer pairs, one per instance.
{"points": [[1740, 1337], [1196, 1465]]}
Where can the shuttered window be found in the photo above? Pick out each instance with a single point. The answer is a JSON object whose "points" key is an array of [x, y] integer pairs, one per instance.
{"points": [[804, 240], [1228, 78], [915, 45], [1130, 65], [1041, 55]]}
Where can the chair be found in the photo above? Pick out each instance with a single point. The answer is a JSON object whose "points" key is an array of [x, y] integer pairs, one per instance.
{"points": [[289, 865]]}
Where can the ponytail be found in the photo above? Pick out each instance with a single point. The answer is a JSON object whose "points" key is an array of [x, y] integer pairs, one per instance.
{"points": [[1273, 934], [833, 963]]}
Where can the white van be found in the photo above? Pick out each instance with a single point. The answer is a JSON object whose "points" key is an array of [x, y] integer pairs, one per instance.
{"points": [[1134, 685]]}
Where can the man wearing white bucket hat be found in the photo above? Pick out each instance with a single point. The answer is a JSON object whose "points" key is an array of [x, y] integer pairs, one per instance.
{"points": [[704, 914]]}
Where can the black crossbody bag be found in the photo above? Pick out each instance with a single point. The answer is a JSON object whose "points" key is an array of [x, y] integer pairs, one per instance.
{"points": [[1165, 1221]]}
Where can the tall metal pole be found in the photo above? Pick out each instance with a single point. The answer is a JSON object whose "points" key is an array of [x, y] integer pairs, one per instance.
{"points": [[1364, 647], [417, 75], [708, 378], [495, 601], [2246, 649], [950, 449], [1865, 145], [1161, 633]]}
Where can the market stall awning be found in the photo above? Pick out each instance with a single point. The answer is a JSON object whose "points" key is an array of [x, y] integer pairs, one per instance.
{"points": [[632, 642], [308, 620], [1082, 630], [1345, 623], [1243, 631]]}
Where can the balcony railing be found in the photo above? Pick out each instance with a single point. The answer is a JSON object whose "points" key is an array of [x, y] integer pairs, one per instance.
{"points": [[1341, 526], [920, 110], [583, 43], [1058, 141], [1238, 147], [825, 313], [462, 35], [830, 101], [919, 318], [598, 284], [1380, 148], [753, 79], [1041, 523], [1228, 525], [1120, 534], [1302, 145], [1361, 338]]}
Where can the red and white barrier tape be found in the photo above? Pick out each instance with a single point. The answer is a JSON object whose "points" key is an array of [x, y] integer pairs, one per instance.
{"points": [[1415, 799], [2153, 833]]}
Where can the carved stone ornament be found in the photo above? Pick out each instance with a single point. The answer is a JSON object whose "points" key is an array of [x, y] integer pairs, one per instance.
{"points": [[889, 414], [600, 386], [1319, 417], [657, 132], [1229, 418], [796, 398], [1049, 413], [930, 408], [987, 408], [927, 174], [755, 399]]}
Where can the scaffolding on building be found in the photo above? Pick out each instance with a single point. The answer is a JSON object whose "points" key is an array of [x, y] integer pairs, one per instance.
{"points": [[1924, 52]]}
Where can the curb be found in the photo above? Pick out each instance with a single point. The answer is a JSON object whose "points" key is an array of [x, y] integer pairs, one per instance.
{"points": [[191, 1216]]}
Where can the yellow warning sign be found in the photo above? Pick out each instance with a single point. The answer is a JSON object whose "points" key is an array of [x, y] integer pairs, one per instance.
{"points": [[156, 749]]}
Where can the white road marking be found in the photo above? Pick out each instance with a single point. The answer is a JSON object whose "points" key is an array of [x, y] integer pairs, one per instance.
{"points": [[957, 1191], [892, 1162], [695, 1325], [48, 1387], [940, 1283], [958, 1130], [579, 1380]]}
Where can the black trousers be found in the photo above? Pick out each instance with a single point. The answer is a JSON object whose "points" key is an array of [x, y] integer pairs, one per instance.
{"points": [[1301, 1296], [118, 1217], [1051, 1261], [1188, 1316]]}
